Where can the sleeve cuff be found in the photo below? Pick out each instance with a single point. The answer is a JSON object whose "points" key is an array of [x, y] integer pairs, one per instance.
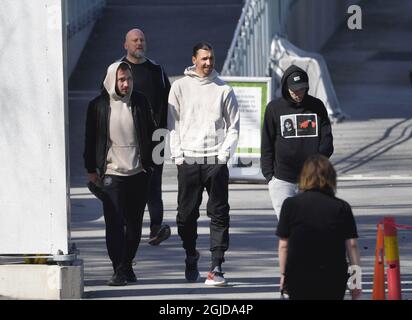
{"points": [[178, 160], [268, 178], [222, 158]]}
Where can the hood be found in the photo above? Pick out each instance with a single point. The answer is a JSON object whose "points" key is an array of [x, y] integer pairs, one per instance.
{"points": [[191, 72], [110, 82], [284, 85]]}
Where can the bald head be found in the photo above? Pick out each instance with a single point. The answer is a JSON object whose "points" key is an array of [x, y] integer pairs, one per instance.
{"points": [[135, 45], [134, 33]]}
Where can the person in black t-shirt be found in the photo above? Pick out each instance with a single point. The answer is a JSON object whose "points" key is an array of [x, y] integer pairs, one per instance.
{"points": [[316, 230], [150, 79]]}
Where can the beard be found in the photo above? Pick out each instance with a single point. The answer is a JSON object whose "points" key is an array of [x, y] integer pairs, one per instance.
{"points": [[138, 54]]}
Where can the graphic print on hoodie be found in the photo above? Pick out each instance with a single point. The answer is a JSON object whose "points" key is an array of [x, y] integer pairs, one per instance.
{"points": [[123, 158], [299, 125], [292, 132], [203, 117]]}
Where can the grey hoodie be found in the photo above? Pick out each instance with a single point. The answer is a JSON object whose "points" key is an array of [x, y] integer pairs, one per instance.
{"points": [[203, 117], [123, 158]]}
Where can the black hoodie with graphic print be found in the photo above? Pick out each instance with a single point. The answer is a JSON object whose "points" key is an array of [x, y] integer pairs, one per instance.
{"points": [[292, 132]]}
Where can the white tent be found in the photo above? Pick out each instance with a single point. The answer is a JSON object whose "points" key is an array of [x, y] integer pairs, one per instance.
{"points": [[34, 193]]}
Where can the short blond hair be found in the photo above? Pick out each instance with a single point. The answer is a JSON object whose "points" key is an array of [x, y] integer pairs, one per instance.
{"points": [[318, 173]]}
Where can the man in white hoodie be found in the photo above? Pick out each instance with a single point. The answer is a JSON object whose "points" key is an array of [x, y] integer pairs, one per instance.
{"points": [[118, 156], [203, 120]]}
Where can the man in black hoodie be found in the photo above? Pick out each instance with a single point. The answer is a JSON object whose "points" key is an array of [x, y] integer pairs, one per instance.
{"points": [[283, 153]]}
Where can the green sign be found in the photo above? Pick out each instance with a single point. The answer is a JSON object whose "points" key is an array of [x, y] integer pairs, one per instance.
{"points": [[253, 94]]}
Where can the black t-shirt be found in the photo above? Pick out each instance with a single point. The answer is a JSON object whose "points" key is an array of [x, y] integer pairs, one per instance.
{"points": [[316, 226], [152, 81]]}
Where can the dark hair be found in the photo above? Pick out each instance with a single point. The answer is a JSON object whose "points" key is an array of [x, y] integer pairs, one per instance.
{"points": [[318, 173], [124, 66], [289, 121], [202, 46]]}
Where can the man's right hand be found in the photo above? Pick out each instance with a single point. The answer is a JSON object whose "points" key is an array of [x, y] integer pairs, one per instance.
{"points": [[179, 161], [93, 177], [356, 294]]}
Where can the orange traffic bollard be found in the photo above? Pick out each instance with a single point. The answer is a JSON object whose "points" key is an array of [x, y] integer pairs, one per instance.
{"points": [[378, 292], [392, 259]]}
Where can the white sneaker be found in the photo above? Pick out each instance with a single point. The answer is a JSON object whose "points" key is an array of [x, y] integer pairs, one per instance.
{"points": [[215, 278]]}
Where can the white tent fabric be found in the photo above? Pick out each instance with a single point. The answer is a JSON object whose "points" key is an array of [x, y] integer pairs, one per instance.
{"points": [[284, 54]]}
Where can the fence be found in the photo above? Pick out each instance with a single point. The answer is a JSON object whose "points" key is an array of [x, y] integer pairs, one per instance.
{"points": [[80, 13], [249, 53]]}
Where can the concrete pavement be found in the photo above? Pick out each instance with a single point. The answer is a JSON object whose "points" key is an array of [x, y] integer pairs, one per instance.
{"points": [[251, 266]]}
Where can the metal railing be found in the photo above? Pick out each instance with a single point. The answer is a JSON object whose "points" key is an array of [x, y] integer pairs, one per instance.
{"points": [[249, 53], [80, 13]]}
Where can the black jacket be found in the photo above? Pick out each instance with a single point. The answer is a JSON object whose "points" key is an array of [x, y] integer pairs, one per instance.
{"points": [[292, 132], [96, 144]]}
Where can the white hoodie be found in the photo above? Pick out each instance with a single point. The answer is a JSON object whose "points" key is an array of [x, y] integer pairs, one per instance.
{"points": [[123, 158], [203, 117]]}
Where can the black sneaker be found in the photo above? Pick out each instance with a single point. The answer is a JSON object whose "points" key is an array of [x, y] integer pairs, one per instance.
{"points": [[118, 279], [191, 272], [130, 275], [161, 235]]}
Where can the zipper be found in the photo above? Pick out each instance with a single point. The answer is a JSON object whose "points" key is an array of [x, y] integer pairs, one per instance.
{"points": [[138, 130], [108, 114]]}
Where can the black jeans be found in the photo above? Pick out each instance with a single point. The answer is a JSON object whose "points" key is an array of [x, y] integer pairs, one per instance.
{"points": [[155, 202], [123, 205], [192, 179]]}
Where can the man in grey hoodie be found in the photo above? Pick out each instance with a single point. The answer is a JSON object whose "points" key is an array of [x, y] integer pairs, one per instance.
{"points": [[203, 120], [118, 159]]}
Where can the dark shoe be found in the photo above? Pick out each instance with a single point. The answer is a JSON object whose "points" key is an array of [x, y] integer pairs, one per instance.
{"points": [[161, 235], [191, 272], [130, 275], [118, 279]]}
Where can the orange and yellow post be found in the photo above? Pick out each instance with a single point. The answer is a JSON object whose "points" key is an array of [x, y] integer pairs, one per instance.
{"points": [[378, 292], [392, 259]]}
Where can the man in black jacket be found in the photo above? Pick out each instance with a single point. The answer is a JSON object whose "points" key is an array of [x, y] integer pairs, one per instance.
{"points": [[118, 160], [150, 79], [284, 151]]}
